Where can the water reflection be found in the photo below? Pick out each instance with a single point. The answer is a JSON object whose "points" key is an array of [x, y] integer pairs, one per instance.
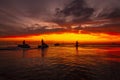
{"points": [[34, 53], [65, 63], [24, 52], [77, 50], [43, 52]]}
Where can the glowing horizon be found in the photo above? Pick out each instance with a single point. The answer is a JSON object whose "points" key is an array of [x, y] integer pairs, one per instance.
{"points": [[68, 37]]}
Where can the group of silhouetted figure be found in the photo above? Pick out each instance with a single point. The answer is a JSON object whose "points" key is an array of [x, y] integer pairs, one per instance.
{"points": [[43, 45]]}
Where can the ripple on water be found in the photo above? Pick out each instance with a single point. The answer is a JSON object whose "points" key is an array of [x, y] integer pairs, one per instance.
{"points": [[64, 63]]}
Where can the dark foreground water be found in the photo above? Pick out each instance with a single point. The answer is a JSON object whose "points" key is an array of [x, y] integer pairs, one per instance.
{"points": [[61, 63]]}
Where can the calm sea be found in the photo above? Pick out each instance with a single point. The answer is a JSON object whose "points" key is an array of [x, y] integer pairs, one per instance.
{"points": [[60, 63]]}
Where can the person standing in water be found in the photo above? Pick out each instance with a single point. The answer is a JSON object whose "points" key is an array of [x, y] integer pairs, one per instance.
{"points": [[77, 44]]}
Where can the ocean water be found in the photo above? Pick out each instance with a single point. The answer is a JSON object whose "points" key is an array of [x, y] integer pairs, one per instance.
{"points": [[60, 63]]}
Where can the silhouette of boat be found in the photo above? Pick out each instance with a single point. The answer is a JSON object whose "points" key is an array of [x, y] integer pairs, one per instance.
{"points": [[56, 44], [43, 45], [24, 45]]}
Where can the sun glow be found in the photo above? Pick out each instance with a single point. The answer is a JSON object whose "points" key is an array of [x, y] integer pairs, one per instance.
{"points": [[69, 37]]}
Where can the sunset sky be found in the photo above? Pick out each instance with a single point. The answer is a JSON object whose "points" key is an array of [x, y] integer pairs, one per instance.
{"points": [[60, 20]]}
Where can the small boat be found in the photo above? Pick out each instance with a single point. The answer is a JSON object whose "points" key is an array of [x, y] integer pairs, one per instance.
{"points": [[43, 45], [24, 45], [56, 44]]}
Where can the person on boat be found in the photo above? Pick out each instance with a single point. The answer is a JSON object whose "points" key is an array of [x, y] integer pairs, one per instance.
{"points": [[43, 44], [23, 45], [23, 42]]}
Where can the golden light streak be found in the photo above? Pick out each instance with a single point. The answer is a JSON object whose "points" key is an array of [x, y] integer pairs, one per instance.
{"points": [[70, 37]]}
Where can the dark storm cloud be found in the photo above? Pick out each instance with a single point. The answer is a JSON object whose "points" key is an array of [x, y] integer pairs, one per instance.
{"points": [[77, 10], [18, 16], [104, 8], [82, 10], [89, 10]]}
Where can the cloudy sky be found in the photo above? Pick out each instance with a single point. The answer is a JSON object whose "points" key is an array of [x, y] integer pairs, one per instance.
{"points": [[27, 17]]}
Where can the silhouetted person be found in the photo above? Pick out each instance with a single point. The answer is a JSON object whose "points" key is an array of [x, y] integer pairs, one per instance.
{"points": [[76, 45], [42, 42], [23, 42]]}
